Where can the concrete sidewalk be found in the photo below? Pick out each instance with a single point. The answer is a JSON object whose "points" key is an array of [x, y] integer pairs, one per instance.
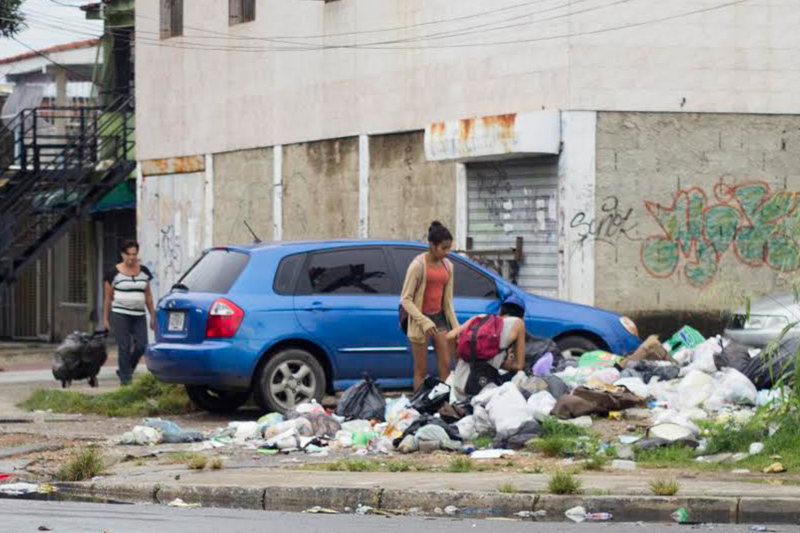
{"points": [[475, 494]]}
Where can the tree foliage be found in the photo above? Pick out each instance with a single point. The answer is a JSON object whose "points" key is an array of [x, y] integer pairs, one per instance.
{"points": [[11, 18]]}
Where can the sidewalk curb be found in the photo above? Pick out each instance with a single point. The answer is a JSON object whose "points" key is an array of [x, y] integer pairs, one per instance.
{"points": [[706, 509]]}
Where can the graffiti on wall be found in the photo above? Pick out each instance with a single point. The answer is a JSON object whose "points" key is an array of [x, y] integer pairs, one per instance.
{"points": [[758, 226], [613, 223], [171, 253]]}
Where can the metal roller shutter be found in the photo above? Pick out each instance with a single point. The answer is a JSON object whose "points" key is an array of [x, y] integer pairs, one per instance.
{"points": [[510, 199]]}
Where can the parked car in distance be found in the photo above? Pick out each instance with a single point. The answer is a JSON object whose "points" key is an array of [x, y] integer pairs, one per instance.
{"points": [[289, 322], [768, 318]]}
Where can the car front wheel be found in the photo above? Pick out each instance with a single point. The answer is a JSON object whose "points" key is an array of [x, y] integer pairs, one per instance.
{"points": [[573, 346], [288, 378], [216, 401]]}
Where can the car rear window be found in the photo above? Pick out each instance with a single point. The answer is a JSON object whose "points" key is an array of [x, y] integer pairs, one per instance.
{"points": [[215, 272]]}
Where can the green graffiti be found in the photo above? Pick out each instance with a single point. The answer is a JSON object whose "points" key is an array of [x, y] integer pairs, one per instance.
{"points": [[761, 227]]}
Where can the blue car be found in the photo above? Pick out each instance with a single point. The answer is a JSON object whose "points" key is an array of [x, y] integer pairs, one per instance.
{"points": [[288, 322]]}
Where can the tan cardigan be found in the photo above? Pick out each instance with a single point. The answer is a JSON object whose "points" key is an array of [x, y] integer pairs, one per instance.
{"points": [[418, 323]]}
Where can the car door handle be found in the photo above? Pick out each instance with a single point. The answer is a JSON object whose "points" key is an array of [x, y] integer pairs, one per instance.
{"points": [[317, 306]]}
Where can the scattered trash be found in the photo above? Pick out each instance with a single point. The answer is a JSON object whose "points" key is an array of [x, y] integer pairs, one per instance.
{"points": [[430, 397], [576, 514], [492, 454], [598, 517], [774, 468], [364, 509], [320, 510], [680, 515], [597, 359], [362, 401], [541, 404], [46, 528], [177, 502], [451, 510], [532, 514], [142, 435], [172, 432], [686, 337], [756, 448], [762, 529]]}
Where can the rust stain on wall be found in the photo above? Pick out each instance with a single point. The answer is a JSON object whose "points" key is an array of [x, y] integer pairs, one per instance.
{"points": [[173, 165], [466, 126], [503, 123]]}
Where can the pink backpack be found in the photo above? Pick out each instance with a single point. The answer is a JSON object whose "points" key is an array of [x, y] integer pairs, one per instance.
{"points": [[481, 340]]}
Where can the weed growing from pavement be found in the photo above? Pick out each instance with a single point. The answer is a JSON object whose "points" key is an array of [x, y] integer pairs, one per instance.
{"points": [[460, 465], [552, 446], [216, 464], [84, 465], [508, 488], [482, 442], [198, 462], [596, 463], [665, 487], [144, 397], [183, 458], [352, 465], [399, 466], [564, 482], [551, 427]]}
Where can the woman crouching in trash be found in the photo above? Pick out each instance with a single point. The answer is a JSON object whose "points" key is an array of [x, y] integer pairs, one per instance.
{"points": [[427, 297], [510, 357]]}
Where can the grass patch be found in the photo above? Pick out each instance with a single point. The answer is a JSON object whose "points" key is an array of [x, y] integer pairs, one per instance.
{"points": [[563, 482], [198, 462], [216, 464], [482, 442], [352, 465], [508, 488], [666, 457], [399, 466], [596, 463], [183, 458], [460, 465], [84, 465], [665, 487], [144, 397], [552, 446], [551, 427]]}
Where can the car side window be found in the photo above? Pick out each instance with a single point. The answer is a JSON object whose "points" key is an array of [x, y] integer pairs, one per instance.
{"points": [[287, 274], [351, 271], [470, 283]]}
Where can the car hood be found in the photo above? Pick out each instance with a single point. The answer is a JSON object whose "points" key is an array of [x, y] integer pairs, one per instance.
{"points": [[779, 305]]}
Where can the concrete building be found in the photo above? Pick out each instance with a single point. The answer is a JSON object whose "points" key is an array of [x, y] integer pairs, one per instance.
{"points": [[646, 152]]}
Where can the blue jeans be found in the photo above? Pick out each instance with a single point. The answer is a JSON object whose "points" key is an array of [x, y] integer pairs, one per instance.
{"points": [[131, 335]]}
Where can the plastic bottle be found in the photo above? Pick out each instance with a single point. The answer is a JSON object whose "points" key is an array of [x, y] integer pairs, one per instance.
{"points": [[598, 517]]}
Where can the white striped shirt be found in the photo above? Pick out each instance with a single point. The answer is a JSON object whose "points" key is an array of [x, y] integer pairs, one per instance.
{"points": [[129, 291]]}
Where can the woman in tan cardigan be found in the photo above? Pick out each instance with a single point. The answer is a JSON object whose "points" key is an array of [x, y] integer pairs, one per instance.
{"points": [[427, 297]]}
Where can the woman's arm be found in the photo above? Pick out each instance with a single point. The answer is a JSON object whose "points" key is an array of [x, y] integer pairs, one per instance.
{"points": [[453, 333], [109, 297], [148, 301]]}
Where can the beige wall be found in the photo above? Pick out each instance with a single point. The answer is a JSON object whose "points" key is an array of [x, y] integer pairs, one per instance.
{"points": [[320, 190], [243, 192], [195, 95], [688, 209], [406, 192]]}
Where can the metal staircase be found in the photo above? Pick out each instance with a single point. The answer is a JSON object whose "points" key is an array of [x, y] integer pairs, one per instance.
{"points": [[55, 164]]}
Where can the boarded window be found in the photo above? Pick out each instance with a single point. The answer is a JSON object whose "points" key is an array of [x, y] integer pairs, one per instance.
{"points": [[171, 18], [241, 11]]}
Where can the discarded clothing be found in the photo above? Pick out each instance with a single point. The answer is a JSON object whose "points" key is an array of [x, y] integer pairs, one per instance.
{"points": [[362, 401], [430, 396], [172, 433], [584, 401], [516, 438], [426, 420]]}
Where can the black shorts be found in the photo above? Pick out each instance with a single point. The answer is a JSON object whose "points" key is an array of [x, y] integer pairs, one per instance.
{"points": [[440, 320]]}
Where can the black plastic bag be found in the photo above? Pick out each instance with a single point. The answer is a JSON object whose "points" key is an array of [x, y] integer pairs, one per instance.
{"points": [[516, 438], [556, 386], [773, 364], [481, 374], [734, 355], [362, 401], [430, 396], [650, 369], [80, 356], [424, 420], [536, 347]]}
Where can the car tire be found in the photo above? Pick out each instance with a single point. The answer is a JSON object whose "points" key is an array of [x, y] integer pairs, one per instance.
{"points": [[573, 346], [216, 401], [288, 378]]}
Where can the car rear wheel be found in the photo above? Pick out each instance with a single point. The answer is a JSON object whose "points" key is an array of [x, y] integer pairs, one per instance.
{"points": [[288, 378], [573, 346], [216, 401]]}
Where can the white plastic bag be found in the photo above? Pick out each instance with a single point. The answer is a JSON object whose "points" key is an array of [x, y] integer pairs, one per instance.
{"points": [[731, 387], [143, 435], [703, 357], [668, 416], [541, 405], [466, 428], [694, 389], [508, 409], [485, 396], [287, 440], [635, 385], [244, 430], [483, 422], [301, 425]]}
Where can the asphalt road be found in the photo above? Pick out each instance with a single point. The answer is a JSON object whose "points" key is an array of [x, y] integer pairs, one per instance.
{"points": [[19, 516]]}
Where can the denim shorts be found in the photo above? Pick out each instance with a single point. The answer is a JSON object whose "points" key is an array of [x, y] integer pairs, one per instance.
{"points": [[440, 320]]}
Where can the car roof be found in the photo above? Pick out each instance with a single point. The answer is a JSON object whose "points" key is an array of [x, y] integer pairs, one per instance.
{"points": [[304, 246]]}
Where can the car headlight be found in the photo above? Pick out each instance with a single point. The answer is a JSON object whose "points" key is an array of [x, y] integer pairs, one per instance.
{"points": [[629, 325], [766, 322]]}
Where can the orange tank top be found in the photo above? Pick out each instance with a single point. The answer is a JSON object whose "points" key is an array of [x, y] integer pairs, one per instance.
{"points": [[436, 279]]}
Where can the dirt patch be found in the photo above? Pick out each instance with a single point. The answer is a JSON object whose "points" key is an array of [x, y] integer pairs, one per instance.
{"points": [[12, 440]]}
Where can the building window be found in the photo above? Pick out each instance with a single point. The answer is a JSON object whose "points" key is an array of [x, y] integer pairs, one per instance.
{"points": [[241, 11], [77, 266], [171, 18]]}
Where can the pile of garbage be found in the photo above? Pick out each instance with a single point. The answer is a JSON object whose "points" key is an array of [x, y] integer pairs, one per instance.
{"points": [[672, 385]]}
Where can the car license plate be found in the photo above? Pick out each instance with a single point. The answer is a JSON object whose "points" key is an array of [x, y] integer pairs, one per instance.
{"points": [[176, 321]]}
